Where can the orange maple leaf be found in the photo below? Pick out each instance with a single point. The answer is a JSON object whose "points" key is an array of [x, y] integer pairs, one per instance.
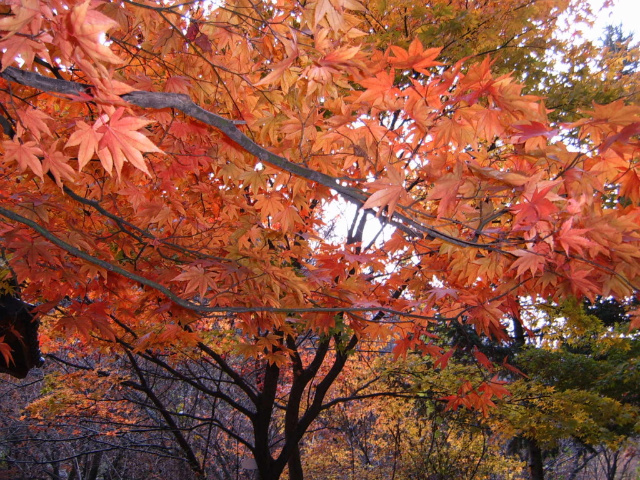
{"points": [[198, 280], [510, 178], [416, 57], [288, 218], [573, 237], [269, 204], [56, 163], [528, 260], [23, 49], [26, 154], [87, 26], [379, 88], [443, 361], [24, 13], [534, 135], [335, 14], [536, 208], [581, 279], [34, 122], [391, 191], [122, 142], [446, 190], [630, 185], [87, 138], [482, 359]]}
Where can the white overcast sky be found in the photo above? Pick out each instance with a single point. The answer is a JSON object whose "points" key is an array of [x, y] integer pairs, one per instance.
{"points": [[625, 12]]}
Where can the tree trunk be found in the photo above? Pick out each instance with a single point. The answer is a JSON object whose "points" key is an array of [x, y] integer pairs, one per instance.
{"points": [[96, 460], [536, 464], [295, 466]]}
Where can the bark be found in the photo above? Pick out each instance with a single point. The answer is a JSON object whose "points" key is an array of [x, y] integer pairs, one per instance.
{"points": [[295, 465], [96, 460], [536, 461], [183, 103]]}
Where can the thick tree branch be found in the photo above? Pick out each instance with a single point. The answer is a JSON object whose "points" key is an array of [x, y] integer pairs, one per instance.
{"points": [[76, 252], [181, 102]]}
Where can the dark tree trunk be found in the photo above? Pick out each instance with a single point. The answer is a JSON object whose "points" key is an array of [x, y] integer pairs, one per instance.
{"points": [[295, 466], [95, 461], [536, 464], [19, 330]]}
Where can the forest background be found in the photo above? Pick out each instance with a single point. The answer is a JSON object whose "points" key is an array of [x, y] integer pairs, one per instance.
{"points": [[325, 239]]}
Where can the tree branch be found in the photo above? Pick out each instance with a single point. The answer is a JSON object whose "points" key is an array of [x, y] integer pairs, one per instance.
{"points": [[183, 103], [76, 252]]}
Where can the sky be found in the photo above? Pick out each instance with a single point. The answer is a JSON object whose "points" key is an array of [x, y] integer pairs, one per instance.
{"points": [[625, 12]]}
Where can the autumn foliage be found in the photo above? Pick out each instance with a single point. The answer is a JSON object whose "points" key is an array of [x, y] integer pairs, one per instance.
{"points": [[278, 183]]}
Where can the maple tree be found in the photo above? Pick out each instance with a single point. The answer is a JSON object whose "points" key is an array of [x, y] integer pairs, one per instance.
{"points": [[574, 414], [170, 176], [580, 388]]}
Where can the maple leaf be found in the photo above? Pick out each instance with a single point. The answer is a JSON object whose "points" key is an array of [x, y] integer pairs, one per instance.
{"points": [[573, 238], [122, 142], [177, 84], [88, 139], [404, 345], [495, 387], [279, 69], [535, 135], [255, 179], [25, 154], [379, 88], [288, 218], [443, 360], [277, 358], [630, 186], [335, 14], [24, 13], [21, 48], [377, 330], [446, 190], [513, 369], [510, 178], [198, 280], [204, 43], [390, 191], [248, 350], [56, 163], [269, 204], [528, 260], [34, 121], [192, 31], [582, 281], [80, 324], [416, 57], [482, 359], [537, 207], [86, 26], [5, 351], [438, 293], [277, 72], [339, 57]]}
